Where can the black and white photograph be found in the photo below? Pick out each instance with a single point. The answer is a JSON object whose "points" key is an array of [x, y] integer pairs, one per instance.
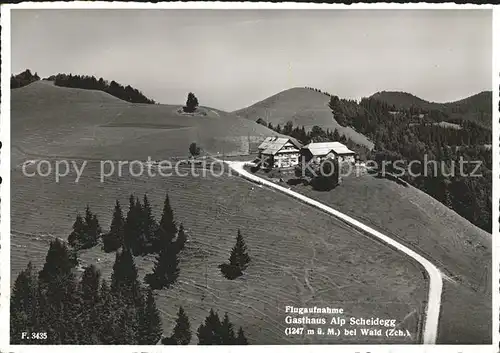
{"points": [[258, 176]]}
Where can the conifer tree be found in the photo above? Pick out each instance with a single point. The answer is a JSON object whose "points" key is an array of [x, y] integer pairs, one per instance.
{"points": [[57, 267], [238, 260], [209, 331], [130, 228], [239, 256], [59, 294], [104, 311], [215, 332], [124, 280], [89, 286], [241, 339], [110, 309], [149, 225], [71, 308], [92, 228], [73, 256], [191, 103], [140, 242], [227, 331], [89, 316], [133, 227], [167, 229], [24, 304], [95, 230], [113, 240], [165, 270], [182, 330], [149, 323], [126, 332], [78, 236], [44, 313]]}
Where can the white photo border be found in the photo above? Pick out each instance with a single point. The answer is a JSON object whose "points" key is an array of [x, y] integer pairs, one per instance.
{"points": [[5, 273]]}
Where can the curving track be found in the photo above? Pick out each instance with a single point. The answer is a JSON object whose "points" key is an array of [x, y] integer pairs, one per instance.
{"points": [[435, 276]]}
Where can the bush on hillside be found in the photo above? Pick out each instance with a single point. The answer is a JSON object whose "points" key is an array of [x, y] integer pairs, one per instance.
{"points": [[191, 103], [194, 149]]}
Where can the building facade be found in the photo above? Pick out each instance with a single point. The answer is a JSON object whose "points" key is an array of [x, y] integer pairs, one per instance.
{"points": [[279, 152], [320, 151]]}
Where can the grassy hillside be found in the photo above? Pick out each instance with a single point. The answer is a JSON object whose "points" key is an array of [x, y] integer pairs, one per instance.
{"points": [[300, 256], [461, 250], [70, 122], [302, 106], [475, 108]]}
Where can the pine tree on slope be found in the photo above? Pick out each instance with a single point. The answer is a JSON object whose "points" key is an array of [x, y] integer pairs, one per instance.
{"points": [[24, 304], [113, 240], [149, 325], [78, 236], [165, 270], [239, 256], [227, 331], [209, 331], [124, 279], [182, 330], [241, 339], [149, 225], [167, 228], [89, 314]]}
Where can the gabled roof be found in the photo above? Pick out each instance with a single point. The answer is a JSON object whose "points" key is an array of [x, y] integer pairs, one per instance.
{"points": [[272, 145], [323, 148]]}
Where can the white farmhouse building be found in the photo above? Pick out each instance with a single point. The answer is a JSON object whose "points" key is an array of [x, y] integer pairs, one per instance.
{"points": [[280, 152], [325, 150]]}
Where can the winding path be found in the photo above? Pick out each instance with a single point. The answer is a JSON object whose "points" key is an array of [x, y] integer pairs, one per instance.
{"points": [[435, 277]]}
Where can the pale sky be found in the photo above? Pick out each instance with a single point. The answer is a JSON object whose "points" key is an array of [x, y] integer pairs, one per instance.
{"points": [[233, 58]]}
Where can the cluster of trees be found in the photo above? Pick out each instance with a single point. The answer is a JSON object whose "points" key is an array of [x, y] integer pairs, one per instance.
{"points": [[89, 310], [23, 79], [86, 231], [139, 231], [191, 103], [86, 310], [126, 93], [54, 306], [238, 260], [314, 89], [412, 134], [216, 332], [140, 234], [397, 137]]}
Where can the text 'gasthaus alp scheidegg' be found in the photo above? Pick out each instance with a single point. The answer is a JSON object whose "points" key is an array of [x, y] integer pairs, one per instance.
{"points": [[331, 321]]}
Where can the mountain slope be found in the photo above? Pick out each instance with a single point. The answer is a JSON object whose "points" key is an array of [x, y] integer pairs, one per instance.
{"points": [[475, 108], [462, 251], [70, 122], [300, 256], [302, 106]]}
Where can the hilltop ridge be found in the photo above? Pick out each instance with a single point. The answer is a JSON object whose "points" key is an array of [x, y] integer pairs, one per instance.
{"points": [[303, 107]]}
